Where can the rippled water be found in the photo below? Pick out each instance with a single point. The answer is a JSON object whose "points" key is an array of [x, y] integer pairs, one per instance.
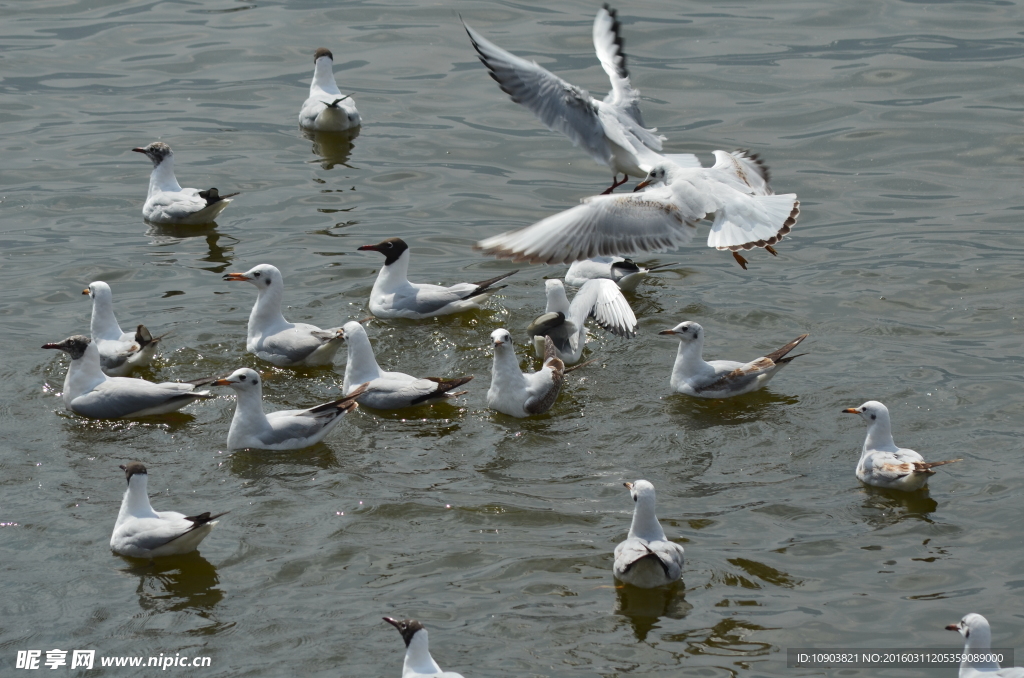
{"points": [[900, 126]]}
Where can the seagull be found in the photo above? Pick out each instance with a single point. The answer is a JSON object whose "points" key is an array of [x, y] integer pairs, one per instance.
{"points": [[623, 272], [418, 661], [141, 532], [978, 641], [169, 203], [393, 296], [611, 131], [282, 430], [720, 378], [519, 394], [388, 390], [326, 110], [647, 559], [120, 352], [565, 323], [735, 190], [274, 339], [90, 393], [882, 463]]}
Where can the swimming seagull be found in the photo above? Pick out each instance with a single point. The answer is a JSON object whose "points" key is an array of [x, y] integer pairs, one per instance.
{"points": [[520, 394], [274, 339], [978, 643], [565, 323], [735, 190], [90, 393], [120, 352], [647, 558], [882, 463], [611, 131], [281, 430], [393, 296], [169, 203], [326, 110], [720, 378], [141, 532], [623, 272], [388, 390], [418, 661]]}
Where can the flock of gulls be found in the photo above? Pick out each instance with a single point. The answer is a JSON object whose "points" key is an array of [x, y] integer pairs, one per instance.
{"points": [[595, 237]]}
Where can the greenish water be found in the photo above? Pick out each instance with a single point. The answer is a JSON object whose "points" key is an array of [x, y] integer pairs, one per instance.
{"points": [[900, 126]]}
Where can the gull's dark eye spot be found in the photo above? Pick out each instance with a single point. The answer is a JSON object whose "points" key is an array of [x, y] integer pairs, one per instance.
{"points": [[268, 281], [634, 497], [873, 417], [242, 378], [256, 274], [255, 381]]}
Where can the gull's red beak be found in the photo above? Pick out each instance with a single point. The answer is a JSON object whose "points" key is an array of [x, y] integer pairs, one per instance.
{"points": [[236, 276], [139, 150], [643, 184]]}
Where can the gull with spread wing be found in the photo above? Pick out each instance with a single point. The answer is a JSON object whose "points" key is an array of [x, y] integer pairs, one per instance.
{"points": [[120, 352], [694, 376], [388, 390], [326, 110], [141, 532], [611, 131], [90, 393], [735, 190], [252, 428], [647, 559], [169, 203], [882, 463], [274, 339], [393, 296], [565, 323]]}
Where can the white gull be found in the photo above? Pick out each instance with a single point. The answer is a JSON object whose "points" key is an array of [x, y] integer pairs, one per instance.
{"points": [[664, 216], [274, 339], [252, 428], [517, 393], [694, 376], [978, 641], [418, 661], [882, 463], [120, 351], [388, 390], [167, 202], [647, 558], [326, 109], [141, 532], [565, 322], [611, 131], [393, 296], [90, 393]]}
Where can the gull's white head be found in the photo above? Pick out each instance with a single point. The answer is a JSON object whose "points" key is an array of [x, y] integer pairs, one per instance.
{"points": [[557, 301], [323, 53], [641, 490], [407, 627], [659, 174], [98, 290], [133, 469], [263, 276], [157, 151], [686, 332], [871, 411], [242, 379], [501, 338], [973, 627], [351, 329]]}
